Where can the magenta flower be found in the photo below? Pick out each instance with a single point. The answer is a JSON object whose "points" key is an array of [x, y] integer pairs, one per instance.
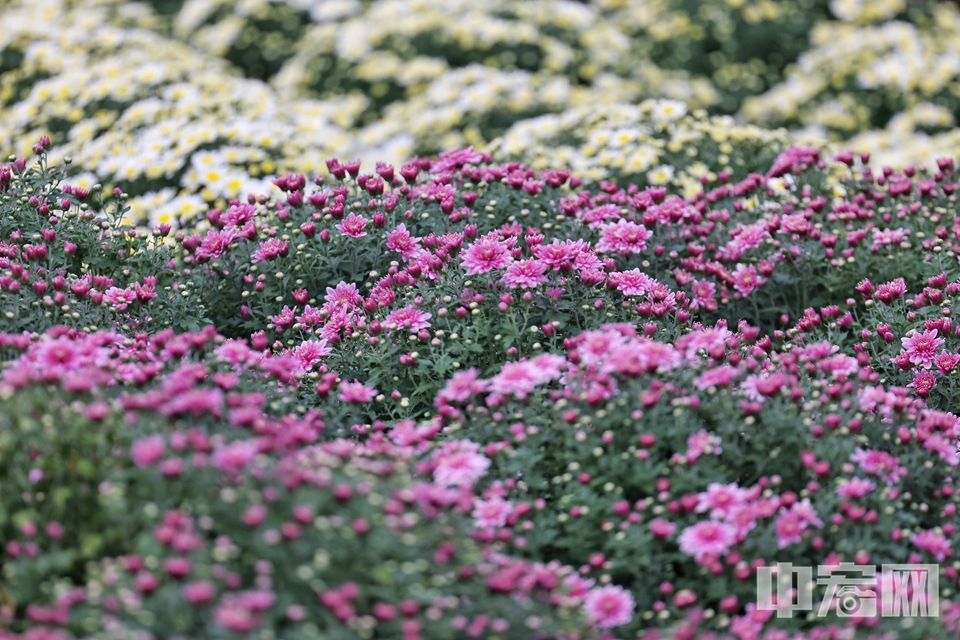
{"points": [[356, 392], [558, 253], [855, 488], [270, 249], [402, 242], [879, 463], [932, 542], [492, 513], [609, 606], [707, 538], [235, 456], [662, 529], [623, 237], [147, 451], [525, 274], [486, 254], [745, 279], [459, 464], [409, 318], [119, 298], [634, 282], [921, 348], [353, 226], [461, 386]]}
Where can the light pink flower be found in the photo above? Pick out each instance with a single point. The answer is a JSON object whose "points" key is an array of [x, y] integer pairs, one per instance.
{"points": [[789, 528], [270, 249], [200, 592], [719, 499], [720, 376], [409, 318], [609, 606], [662, 529], [356, 392], [344, 296], [517, 378], [216, 242], [486, 254], [702, 442], [492, 513], [353, 226], [401, 241], [707, 538], [147, 451], [932, 542], [703, 291], [880, 463], [624, 237], [310, 352], [745, 279], [235, 456], [634, 282], [525, 274], [921, 348], [119, 298], [461, 386], [558, 253], [855, 488], [459, 464]]}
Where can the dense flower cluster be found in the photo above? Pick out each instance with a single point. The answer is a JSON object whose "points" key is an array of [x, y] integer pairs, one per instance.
{"points": [[542, 407], [421, 320]]}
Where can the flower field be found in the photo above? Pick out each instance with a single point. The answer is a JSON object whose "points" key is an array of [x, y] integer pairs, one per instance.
{"points": [[335, 319]]}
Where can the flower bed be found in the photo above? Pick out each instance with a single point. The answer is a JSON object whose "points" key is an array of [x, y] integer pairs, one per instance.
{"points": [[469, 397]]}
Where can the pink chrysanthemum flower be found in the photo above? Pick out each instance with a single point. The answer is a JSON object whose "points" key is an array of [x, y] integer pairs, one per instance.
{"points": [[525, 274], [270, 249], [235, 456], [492, 513], [353, 226], [356, 392], [216, 242], [879, 463], [707, 538], [634, 282], [609, 606], [662, 529], [517, 378], [486, 254], [461, 386], [789, 529], [746, 279], [932, 542], [703, 291], [148, 451], [119, 298], [344, 296], [720, 376], [921, 348], [623, 236], [409, 318], [402, 242], [558, 253], [719, 499], [855, 488], [459, 464], [310, 352]]}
